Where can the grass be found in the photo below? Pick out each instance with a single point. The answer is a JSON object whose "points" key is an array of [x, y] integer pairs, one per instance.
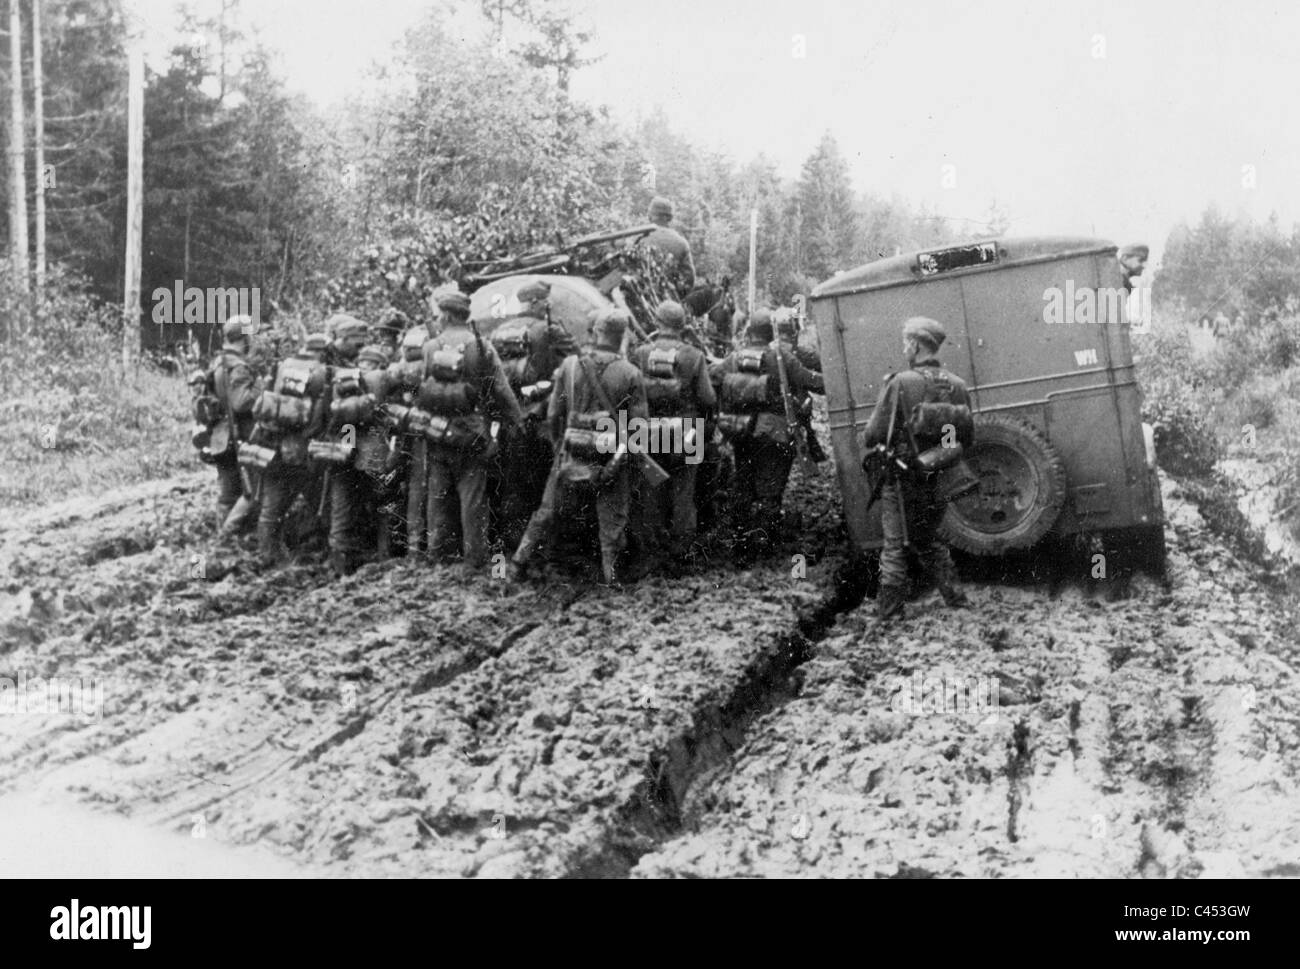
{"points": [[117, 426]]}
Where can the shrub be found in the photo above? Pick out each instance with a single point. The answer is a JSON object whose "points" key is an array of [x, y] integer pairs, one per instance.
{"points": [[1179, 398], [74, 418]]}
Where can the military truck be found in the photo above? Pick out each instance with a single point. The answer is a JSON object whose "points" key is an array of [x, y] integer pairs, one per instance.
{"points": [[1037, 328]]}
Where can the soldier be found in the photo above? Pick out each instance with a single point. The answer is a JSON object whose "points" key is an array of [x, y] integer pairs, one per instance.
{"points": [[236, 388], [387, 334], [531, 348], [463, 389], [787, 332], [351, 492], [597, 382], [910, 512], [753, 419], [677, 388], [289, 416], [403, 387], [1132, 262], [671, 245]]}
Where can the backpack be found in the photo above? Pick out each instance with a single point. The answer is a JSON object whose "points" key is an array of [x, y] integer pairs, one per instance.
{"points": [[663, 388], [586, 448], [447, 391], [936, 414], [746, 389], [213, 434], [513, 347], [289, 406]]}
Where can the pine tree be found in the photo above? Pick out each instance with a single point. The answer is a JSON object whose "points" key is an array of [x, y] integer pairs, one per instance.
{"points": [[828, 232]]}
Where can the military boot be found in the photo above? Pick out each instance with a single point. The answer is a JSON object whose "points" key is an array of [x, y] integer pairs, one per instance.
{"points": [[344, 562], [953, 597], [271, 550], [383, 535], [889, 603]]}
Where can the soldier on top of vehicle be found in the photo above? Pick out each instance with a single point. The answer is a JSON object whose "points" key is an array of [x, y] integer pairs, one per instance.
{"points": [[753, 419], [923, 407], [671, 244]]}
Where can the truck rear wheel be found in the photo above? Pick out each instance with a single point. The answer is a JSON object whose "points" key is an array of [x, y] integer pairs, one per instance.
{"points": [[1022, 489]]}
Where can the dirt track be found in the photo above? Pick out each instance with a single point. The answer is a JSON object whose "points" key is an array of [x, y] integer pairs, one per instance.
{"points": [[379, 726]]}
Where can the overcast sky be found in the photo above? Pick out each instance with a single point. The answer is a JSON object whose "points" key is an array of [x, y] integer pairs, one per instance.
{"points": [[1100, 117]]}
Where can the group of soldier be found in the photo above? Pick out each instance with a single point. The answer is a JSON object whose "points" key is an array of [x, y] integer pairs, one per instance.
{"points": [[451, 444], [437, 442]]}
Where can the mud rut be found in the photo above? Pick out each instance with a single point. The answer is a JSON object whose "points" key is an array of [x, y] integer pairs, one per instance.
{"points": [[410, 722]]}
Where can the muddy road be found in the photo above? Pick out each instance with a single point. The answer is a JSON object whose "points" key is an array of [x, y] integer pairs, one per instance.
{"points": [[407, 721]]}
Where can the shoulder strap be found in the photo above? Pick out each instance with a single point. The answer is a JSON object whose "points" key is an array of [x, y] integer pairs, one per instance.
{"points": [[589, 369], [893, 414], [225, 395]]}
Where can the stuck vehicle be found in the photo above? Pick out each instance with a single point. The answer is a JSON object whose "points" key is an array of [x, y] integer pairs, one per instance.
{"points": [[1037, 329]]}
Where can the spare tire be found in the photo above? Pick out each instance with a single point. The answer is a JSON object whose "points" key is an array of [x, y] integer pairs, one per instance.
{"points": [[1022, 489]]}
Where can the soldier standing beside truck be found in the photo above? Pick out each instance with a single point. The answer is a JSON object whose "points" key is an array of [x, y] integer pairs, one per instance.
{"points": [[920, 409]]}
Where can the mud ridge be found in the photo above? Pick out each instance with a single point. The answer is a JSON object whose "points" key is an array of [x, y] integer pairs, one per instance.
{"points": [[654, 815]]}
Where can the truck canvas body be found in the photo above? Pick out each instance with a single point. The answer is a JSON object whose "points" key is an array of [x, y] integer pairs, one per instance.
{"points": [[1036, 327]]}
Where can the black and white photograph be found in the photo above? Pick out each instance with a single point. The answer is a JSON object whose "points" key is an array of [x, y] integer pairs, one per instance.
{"points": [[560, 439]]}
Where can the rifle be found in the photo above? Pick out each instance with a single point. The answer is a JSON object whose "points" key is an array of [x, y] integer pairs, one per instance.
{"points": [[651, 470], [887, 456], [791, 418]]}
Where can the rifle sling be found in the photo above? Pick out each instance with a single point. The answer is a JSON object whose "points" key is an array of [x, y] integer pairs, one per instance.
{"points": [[589, 369]]}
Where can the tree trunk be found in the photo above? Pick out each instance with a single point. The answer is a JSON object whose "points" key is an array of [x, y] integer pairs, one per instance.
{"points": [[38, 136], [17, 150], [134, 203]]}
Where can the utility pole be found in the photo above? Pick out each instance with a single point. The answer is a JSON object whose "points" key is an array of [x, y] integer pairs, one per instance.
{"points": [[134, 202], [38, 116], [753, 258], [17, 150]]}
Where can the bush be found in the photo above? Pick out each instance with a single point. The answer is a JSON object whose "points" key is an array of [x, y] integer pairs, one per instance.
{"points": [[1179, 398], [74, 418]]}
